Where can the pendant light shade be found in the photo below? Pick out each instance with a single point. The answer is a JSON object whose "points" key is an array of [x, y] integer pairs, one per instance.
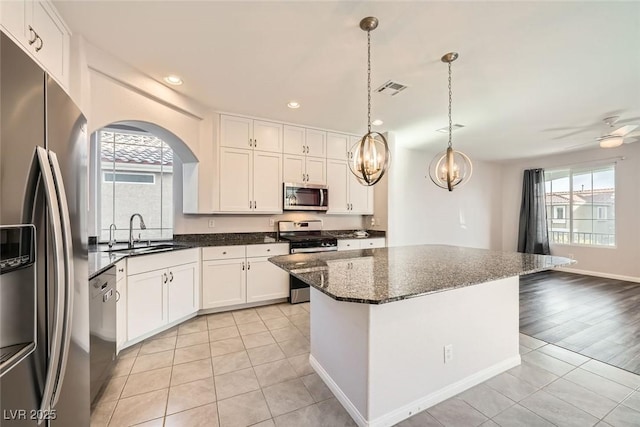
{"points": [[450, 169], [369, 157]]}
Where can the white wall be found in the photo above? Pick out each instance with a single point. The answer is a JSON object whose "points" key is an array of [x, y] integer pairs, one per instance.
{"points": [[421, 213], [621, 261]]}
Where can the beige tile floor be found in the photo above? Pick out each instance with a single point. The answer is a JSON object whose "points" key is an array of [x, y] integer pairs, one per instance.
{"points": [[250, 367]]}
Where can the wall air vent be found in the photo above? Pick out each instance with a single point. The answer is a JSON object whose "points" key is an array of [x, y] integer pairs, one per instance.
{"points": [[391, 88], [454, 127]]}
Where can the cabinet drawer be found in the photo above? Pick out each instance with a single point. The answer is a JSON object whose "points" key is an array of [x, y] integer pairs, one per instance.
{"points": [[372, 243], [348, 244], [267, 250], [144, 263], [121, 270], [223, 252]]}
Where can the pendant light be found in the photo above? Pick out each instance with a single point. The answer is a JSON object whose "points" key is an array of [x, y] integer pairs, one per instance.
{"points": [[369, 157], [450, 169]]}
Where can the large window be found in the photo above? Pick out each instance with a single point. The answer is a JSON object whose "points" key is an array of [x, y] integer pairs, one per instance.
{"points": [[581, 205], [136, 177]]}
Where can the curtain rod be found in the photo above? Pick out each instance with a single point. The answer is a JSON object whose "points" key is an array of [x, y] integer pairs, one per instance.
{"points": [[597, 161]]}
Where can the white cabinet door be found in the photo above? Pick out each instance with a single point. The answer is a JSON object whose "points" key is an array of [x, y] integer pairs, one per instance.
{"points": [[145, 303], [267, 182], [52, 50], [236, 178], [267, 136], [337, 181], [337, 146], [182, 295], [358, 195], [235, 132], [293, 140], [294, 168], [348, 244], [13, 18], [316, 168], [316, 143], [376, 242], [265, 281], [223, 283]]}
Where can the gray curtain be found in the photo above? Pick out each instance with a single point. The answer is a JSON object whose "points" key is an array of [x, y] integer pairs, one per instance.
{"points": [[533, 237]]}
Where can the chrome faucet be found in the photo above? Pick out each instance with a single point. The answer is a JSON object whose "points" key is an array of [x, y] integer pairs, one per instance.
{"points": [[112, 240], [142, 227]]}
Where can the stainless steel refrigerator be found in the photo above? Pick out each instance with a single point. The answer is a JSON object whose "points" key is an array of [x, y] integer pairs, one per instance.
{"points": [[44, 303]]}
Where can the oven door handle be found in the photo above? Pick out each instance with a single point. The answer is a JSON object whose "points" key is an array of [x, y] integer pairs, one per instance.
{"points": [[321, 197], [312, 250]]}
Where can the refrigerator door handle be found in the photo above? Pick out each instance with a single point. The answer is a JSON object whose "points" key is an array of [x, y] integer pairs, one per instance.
{"points": [[40, 169], [69, 270]]}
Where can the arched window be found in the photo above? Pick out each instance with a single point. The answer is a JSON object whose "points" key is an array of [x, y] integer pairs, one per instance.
{"points": [[136, 176]]}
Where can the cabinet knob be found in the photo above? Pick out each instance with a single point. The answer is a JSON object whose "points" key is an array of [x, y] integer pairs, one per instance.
{"points": [[121, 270], [268, 250], [224, 252]]}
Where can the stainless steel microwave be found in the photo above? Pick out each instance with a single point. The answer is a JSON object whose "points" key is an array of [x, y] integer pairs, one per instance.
{"points": [[305, 197]]}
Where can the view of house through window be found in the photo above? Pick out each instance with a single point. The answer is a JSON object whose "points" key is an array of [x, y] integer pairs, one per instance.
{"points": [[581, 205], [136, 176]]}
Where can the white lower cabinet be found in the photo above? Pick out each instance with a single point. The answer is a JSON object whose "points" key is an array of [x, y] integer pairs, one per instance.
{"points": [[265, 281], [223, 282], [156, 295], [233, 275], [351, 244], [121, 304]]}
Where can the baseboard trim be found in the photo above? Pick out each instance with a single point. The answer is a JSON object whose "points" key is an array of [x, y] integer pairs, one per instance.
{"points": [[412, 408], [599, 274]]}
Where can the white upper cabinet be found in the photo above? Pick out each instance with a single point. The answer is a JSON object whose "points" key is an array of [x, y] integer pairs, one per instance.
{"points": [[294, 140], [337, 179], [241, 132], [337, 146], [267, 182], [236, 132], [294, 168], [267, 136], [316, 170], [236, 180], [346, 194], [316, 143], [38, 27]]}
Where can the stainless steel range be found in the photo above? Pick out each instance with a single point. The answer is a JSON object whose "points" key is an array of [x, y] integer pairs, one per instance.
{"points": [[304, 237]]}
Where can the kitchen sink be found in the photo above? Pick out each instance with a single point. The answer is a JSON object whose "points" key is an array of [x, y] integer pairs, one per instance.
{"points": [[140, 250]]}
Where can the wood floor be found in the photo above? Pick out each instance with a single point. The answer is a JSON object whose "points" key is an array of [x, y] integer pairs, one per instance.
{"points": [[596, 317]]}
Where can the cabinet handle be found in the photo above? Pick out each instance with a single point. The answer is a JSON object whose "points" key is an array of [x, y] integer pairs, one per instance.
{"points": [[347, 206], [303, 177], [255, 143], [39, 47], [121, 270], [165, 277], [34, 34], [171, 275], [307, 177], [248, 265], [255, 205], [243, 266], [250, 142], [117, 296]]}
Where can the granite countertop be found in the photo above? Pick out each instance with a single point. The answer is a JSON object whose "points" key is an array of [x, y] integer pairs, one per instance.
{"points": [[100, 259], [378, 276]]}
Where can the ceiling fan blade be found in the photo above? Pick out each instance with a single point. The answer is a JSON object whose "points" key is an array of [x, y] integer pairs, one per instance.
{"points": [[628, 140], [583, 145], [624, 130], [629, 120], [633, 134], [577, 132]]}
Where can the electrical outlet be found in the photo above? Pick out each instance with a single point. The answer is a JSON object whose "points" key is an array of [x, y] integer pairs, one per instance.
{"points": [[448, 353], [212, 223], [272, 222], [373, 221]]}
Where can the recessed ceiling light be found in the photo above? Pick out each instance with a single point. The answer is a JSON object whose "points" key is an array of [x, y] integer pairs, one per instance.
{"points": [[173, 80], [377, 122], [293, 104]]}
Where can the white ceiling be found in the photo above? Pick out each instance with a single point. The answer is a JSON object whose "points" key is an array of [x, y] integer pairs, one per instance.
{"points": [[524, 68]]}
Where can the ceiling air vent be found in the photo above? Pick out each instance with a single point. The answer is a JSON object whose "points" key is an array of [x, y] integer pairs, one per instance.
{"points": [[391, 88], [454, 127]]}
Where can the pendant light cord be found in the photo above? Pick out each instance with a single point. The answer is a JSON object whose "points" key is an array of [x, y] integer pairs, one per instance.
{"points": [[369, 81], [450, 101]]}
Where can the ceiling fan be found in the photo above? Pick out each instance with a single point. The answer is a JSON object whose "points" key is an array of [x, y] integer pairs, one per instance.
{"points": [[617, 135]]}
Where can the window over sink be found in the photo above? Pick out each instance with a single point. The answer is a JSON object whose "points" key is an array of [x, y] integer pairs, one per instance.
{"points": [[136, 171]]}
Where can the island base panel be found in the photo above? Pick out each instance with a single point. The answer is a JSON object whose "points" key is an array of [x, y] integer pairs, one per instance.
{"points": [[386, 362]]}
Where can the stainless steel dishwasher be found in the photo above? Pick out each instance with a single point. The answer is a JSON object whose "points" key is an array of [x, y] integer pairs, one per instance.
{"points": [[102, 325]]}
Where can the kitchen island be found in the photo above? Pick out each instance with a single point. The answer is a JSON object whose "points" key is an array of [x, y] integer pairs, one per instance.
{"points": [[397, 330]]}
